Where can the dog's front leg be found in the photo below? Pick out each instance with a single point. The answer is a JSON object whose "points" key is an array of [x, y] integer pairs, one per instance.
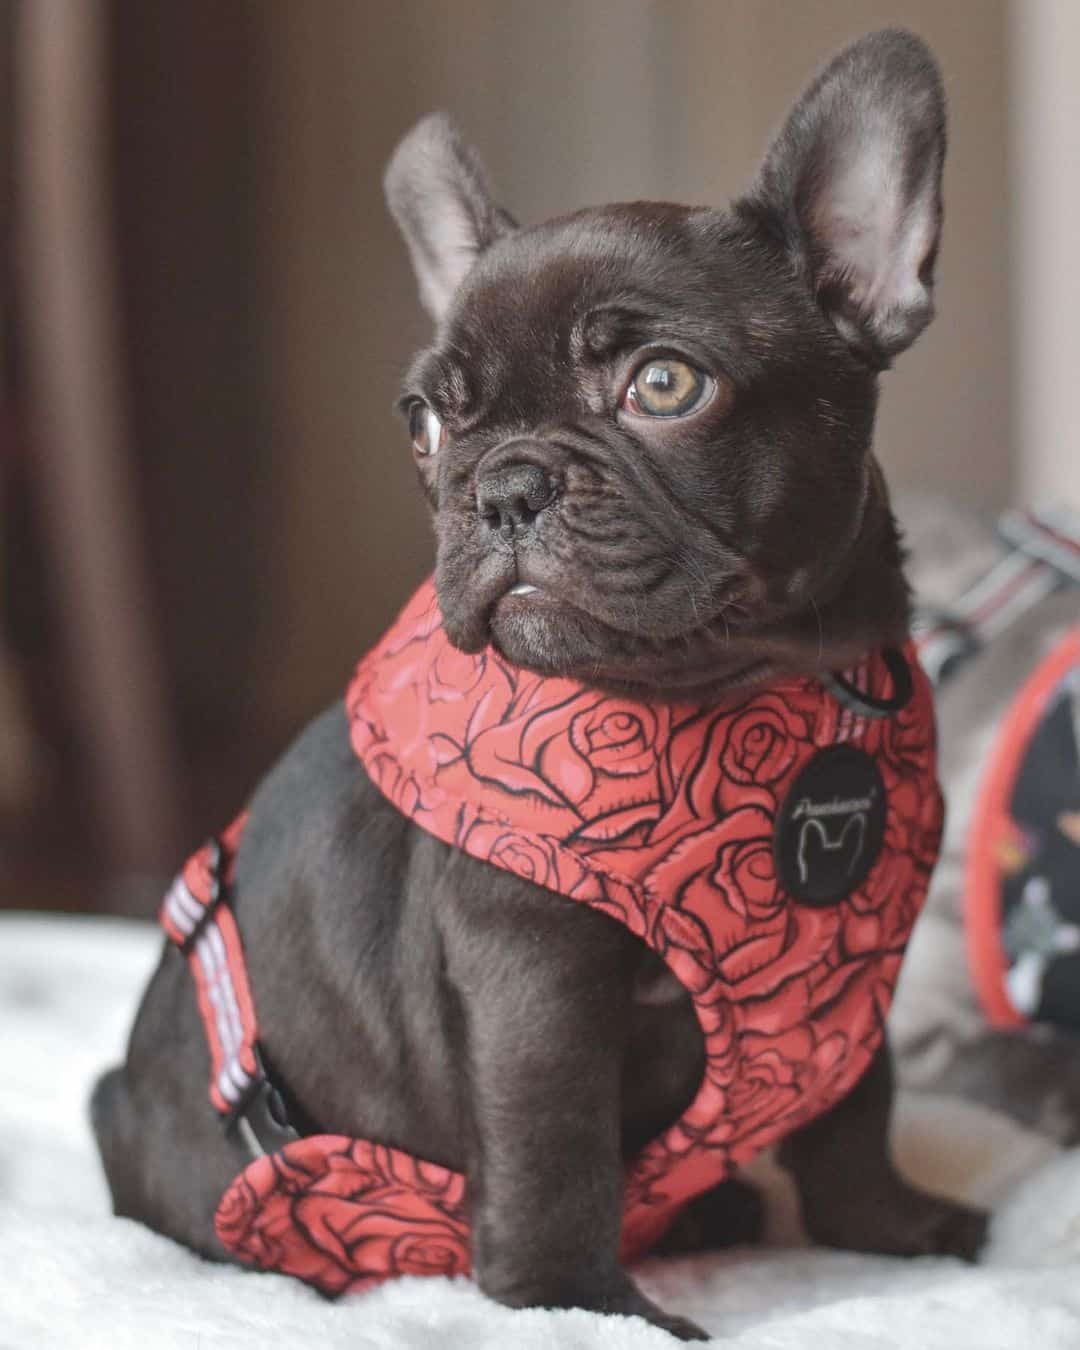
{"points": [[543, 986], [851, 1194]]}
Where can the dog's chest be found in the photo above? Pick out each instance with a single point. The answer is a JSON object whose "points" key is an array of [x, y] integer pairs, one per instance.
{"points": [[773, 850]]}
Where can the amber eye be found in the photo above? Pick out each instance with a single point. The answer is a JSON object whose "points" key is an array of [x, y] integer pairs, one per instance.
{"points": [[425, 429], [665, 387]]}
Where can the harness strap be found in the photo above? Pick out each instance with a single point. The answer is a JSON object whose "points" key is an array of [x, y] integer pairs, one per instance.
{"points": [[852, 688], [196, 917], [1043, 555]]}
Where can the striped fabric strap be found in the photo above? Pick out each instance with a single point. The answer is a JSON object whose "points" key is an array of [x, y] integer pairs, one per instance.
{"points": [[196, 918], [1043, 555]]}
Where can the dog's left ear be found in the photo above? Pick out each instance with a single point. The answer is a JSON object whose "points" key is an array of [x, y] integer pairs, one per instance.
{"points": [[852, 189], [439, 195]]}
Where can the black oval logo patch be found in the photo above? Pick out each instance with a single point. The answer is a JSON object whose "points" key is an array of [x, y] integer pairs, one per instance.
{"points": [[831, 826]]}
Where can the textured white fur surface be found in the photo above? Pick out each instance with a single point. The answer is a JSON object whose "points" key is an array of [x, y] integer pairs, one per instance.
{"points": [[71, 1275]]}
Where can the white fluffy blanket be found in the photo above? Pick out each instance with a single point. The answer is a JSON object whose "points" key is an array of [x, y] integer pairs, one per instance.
{"points": [[71, 1275]]}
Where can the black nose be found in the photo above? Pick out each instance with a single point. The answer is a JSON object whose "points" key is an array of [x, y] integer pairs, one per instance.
{"points": [[512, 496]]}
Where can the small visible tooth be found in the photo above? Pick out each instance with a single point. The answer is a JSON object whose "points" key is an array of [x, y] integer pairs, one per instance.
{"points": [[523, 588]]}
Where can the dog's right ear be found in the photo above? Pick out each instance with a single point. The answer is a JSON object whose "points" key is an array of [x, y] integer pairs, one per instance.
{"points": [[439, 195], [852, 188]]}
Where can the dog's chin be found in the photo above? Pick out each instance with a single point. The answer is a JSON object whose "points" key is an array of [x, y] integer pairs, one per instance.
{"points": [[552, 637], [543, 632]]}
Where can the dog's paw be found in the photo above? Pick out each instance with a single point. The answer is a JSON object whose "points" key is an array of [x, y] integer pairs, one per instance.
{"points": [[905, 1222], [930, 1225], [631, 1302], [617, 1295], [680, 1327], [731, 1214], [955, 1230]]}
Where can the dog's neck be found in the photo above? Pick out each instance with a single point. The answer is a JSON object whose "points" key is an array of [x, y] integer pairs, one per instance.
{"points": [[865, 605]]}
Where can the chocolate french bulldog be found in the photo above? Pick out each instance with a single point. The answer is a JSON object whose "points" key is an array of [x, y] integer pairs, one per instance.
{"points": [[645, 434]]}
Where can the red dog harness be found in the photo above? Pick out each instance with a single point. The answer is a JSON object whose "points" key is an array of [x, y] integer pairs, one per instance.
{"points": [[774, 848]]}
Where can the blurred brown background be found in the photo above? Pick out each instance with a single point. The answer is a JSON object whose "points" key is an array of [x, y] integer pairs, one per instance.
{"points": [[208, 508]]}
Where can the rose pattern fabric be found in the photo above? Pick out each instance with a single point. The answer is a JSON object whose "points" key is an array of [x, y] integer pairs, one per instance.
{"points": [[342, 1214], [663, 817]]}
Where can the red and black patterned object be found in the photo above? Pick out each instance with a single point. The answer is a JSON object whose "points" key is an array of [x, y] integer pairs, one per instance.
{"points": [[343, 1215], [774, 849], [1022, 906]]}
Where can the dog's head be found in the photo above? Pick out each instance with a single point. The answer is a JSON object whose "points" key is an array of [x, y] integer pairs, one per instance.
{"points": [[645, 429]]}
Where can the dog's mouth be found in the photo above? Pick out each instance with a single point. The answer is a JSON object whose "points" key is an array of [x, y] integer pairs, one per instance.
{"points": [[542, 615], [556, 631], [533, 605]]}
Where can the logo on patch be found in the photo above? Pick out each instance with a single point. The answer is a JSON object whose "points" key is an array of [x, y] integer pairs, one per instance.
{"points": [[831, 826]]}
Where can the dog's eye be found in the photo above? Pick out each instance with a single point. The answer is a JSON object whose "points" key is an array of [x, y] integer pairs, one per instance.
{"points": [[425, 429], [664, 387]]}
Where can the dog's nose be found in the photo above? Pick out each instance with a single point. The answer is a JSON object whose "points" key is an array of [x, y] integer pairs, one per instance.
{"points": [[510, 497]]}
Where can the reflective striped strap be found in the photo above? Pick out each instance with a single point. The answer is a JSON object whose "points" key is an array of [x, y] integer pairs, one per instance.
{"points": [[1052, 535], [196, 916], [1043, 556]]}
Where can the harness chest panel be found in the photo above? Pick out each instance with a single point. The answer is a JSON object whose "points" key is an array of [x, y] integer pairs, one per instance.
{"points": [[774, 849]]}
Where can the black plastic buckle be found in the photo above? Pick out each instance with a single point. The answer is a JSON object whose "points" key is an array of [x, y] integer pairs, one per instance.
{"points": [[259, 1120]]}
